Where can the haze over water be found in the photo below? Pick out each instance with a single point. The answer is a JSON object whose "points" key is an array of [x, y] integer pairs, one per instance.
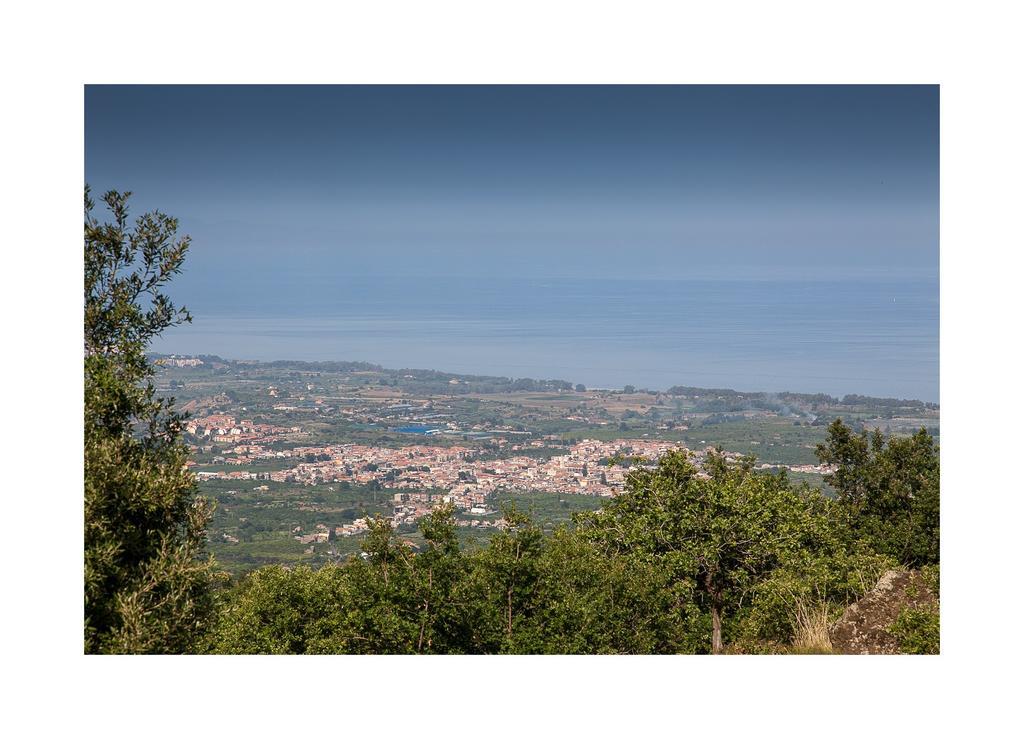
{"points": [[854, 336], [755, 237]]}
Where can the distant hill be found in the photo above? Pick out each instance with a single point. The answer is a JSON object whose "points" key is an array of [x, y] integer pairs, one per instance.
{"points": [[713, 400]]}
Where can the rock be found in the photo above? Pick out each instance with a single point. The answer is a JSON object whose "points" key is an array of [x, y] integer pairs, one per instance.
{"points": [[863, 627]]}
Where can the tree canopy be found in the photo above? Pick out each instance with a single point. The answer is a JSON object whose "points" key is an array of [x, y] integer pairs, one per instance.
{"points": [[147, 587], [889, 489]]}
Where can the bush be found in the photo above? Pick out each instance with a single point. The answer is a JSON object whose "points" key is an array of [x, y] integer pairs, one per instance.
{"points": [[917, 630]]}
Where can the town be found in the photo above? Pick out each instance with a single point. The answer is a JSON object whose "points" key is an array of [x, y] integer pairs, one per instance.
{"points": [[590, 467], [300, 453]]}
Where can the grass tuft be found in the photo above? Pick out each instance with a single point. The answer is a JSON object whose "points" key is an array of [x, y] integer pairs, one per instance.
{"points": [[812, 621]]}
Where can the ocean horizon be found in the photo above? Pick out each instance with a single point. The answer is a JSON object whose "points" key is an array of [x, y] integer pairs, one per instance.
{"points": [[868, 336]]}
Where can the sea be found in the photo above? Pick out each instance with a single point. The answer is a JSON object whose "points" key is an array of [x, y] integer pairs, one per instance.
{"points": [[876, 337]]}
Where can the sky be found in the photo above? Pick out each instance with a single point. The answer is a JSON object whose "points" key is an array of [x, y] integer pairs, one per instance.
{"points": [[285, 185]]}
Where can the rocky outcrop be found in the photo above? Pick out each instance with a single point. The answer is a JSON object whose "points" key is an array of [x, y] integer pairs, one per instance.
{"points": [[864, 626]]}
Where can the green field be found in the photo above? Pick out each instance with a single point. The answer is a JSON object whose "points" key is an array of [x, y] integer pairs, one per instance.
{"points": [[771, 439], [549, 509]]}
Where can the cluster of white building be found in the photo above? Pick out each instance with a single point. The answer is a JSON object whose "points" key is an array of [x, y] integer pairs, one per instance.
{"points": [[223, 428], [458, 476]]}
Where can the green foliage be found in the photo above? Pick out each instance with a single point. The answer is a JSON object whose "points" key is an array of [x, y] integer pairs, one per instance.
{"points": [[381, 614], [824, 575], [917, 630], [506, 583], [719, 534], [389, 601], [587, 602], [279, 611], [930, 575], [438, 573], [147, 588], [889, 490], [524, 593]]}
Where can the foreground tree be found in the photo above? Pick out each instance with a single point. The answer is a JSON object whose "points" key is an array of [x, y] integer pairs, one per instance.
{"points": [[501, 592], [889, 489], [588, 601], [278, 610], [794, 606], [403, 601], [147, 584], [719, 533]]}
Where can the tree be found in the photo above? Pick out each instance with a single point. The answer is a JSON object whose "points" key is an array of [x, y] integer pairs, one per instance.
{"points": [[849, 452], [589, 601], [381, 616], [889, 489], [436, 574], [505, 584], [391, 600], [274, 610], [147, 584], [719, 532], [819, 579]]}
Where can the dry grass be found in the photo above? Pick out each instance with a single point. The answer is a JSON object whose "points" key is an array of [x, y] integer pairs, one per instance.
{"points": [[812, 624]]}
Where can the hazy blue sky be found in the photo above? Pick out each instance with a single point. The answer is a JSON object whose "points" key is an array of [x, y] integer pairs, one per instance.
{"points": [[284, 184]]}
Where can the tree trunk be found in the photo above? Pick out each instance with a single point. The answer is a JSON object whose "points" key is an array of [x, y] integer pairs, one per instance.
{"points": [[716, 626], [509, 613], [426, 610], [714, 591]]}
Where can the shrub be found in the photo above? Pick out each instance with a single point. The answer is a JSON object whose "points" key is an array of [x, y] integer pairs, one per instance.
{"points": [[917, 630]]}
